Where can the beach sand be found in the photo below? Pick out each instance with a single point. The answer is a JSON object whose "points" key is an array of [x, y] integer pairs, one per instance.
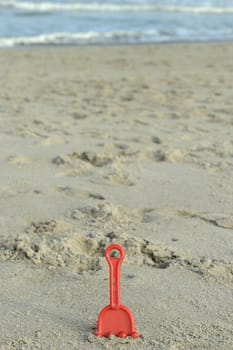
{"points": [[132, 145]]}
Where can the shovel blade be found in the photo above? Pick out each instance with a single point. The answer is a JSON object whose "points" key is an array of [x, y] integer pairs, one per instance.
{"points": [[116, 321]]}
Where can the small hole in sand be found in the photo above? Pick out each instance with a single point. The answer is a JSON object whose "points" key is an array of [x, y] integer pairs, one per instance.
{"points": [[115, 254]]}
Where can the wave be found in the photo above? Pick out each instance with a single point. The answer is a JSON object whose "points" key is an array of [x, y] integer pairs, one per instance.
{"points": [[114, 37], [50, 7], [80, 38]]}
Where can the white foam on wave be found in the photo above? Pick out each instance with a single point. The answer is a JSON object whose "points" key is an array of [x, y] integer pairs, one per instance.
{"points": [[198, 9], [50, 7], [80, 38], [47, 6]]}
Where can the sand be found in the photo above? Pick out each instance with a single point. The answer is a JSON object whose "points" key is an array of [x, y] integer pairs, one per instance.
{"points": [[132, 145]]}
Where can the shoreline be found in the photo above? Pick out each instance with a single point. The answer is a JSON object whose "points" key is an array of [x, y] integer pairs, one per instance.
{"points": [[149, 44]]}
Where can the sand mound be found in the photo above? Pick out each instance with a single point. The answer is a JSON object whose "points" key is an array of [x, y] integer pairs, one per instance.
{"points": [[49, 226], [120, 179], [83, 253], [210, 268], [77, 165], [107, 212], [94, 159], [53, 244], [111, 166], [52, 250]]}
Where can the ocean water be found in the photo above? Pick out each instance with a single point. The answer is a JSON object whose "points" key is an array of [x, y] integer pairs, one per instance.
{"points": [[87, 22]]}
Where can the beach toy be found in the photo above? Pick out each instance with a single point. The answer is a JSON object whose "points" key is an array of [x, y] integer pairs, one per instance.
{"points": [[115, 319]]}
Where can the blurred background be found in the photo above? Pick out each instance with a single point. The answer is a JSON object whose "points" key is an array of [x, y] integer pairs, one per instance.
{"points": [[70, 22]]}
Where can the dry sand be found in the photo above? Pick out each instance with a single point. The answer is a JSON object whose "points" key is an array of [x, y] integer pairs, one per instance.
{"points": [[132, 145]]}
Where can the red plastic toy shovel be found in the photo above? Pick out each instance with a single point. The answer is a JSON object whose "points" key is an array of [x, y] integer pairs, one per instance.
{"points": [[115, 319]]}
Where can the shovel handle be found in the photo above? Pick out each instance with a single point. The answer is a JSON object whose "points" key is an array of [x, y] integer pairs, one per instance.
{"points": [[114, 270]]}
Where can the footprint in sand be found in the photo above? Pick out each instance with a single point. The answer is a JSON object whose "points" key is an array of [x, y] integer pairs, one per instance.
{"points": [[14, 190], [53, 140], [91, 159], [20, 161], [106, 212], [72, 192], [110, 166], [165, 155], [120, 178]]}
